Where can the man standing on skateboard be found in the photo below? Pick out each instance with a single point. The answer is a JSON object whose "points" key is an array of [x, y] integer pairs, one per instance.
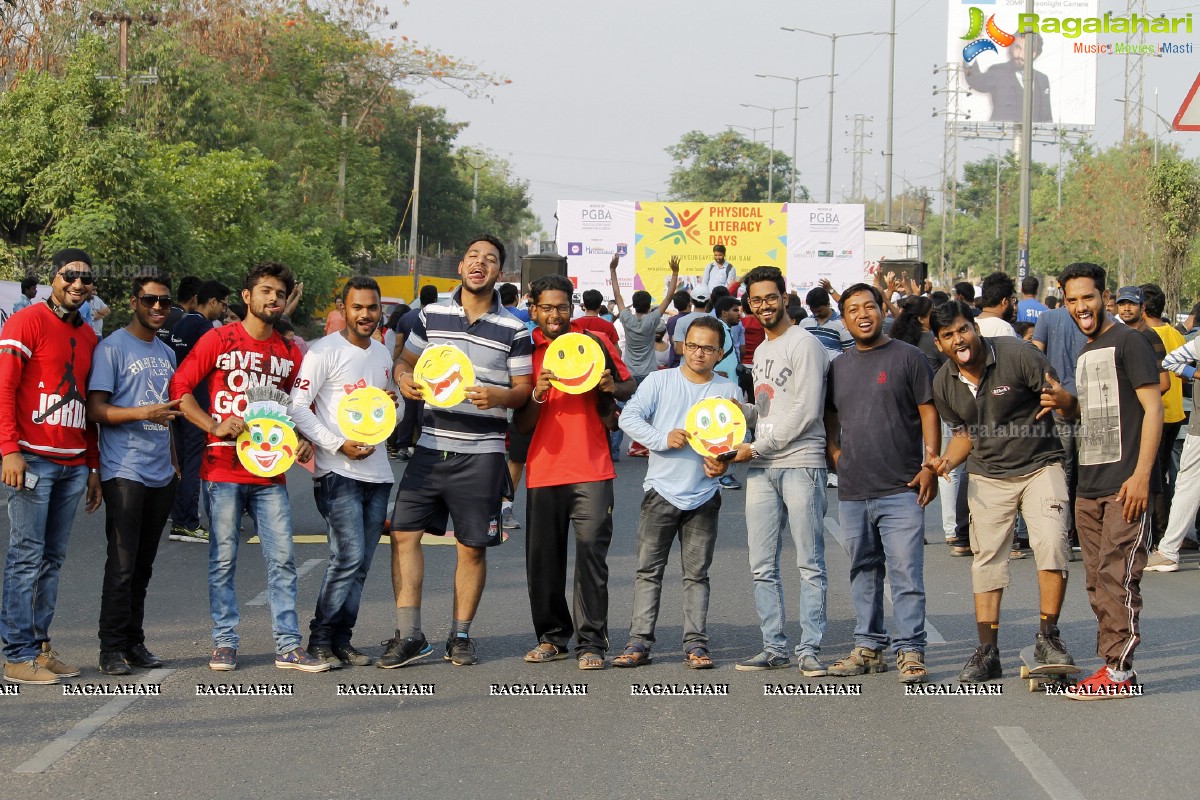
{"points": [[989, 393], [1121, 413]]}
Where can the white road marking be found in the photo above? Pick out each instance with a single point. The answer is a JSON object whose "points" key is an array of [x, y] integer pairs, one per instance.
{"points": [[261, 598], [932, 634], [1043, 770], [45, 758]]}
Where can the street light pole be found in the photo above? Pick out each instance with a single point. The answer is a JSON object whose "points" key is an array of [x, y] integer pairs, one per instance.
{"points": [[771, 155], [795, 120], [891, 118], [832, 37]]}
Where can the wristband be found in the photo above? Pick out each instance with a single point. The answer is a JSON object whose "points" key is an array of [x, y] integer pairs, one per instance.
{"points": [[539, 402]]}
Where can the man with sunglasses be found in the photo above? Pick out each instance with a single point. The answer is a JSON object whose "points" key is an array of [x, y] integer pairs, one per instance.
{"points": [[785, 485], [50, 460], [128, 399]]}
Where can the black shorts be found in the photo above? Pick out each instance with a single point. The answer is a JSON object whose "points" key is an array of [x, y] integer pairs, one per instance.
{"points": [[518, 444], [464, 488]]}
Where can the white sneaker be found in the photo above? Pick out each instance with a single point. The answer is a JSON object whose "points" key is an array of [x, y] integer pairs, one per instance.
{"points": [[831, 483], [1160, 563]]}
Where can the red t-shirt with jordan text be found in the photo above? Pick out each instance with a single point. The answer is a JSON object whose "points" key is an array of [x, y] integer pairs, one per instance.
{"points": [[232, 360]]}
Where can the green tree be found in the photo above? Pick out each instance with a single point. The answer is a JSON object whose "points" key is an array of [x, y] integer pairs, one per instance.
{"points": [[1174, 205], [727, 167]]}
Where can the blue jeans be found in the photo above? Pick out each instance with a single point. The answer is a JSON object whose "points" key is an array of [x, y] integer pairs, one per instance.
{"points": [[37, 546], [355, 511], [271, 512], [885, 537], [792, 497]]}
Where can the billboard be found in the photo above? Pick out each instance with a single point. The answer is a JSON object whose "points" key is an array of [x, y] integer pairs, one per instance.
{"points": [[982, 41], [807, 241]]}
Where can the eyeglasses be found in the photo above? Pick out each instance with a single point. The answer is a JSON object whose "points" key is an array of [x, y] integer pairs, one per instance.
{"points": [[152, 300], [770, 300], [546, 308], [70, 276], [706, 349]]}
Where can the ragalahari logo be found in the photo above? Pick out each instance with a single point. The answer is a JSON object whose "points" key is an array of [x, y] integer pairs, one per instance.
{"points": [[982, 44]]}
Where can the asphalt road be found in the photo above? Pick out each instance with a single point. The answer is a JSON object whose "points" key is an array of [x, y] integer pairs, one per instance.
{"points": [[463, 741]]}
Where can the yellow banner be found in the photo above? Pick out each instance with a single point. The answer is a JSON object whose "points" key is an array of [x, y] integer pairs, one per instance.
{"points": [[754, 234]]}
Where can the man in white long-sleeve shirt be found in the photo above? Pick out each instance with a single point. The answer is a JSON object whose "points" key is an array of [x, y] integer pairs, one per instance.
{"points": [[352, 478], [1182, 519], [785, 484]]}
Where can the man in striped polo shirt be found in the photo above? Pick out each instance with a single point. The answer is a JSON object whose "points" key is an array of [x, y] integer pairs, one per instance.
{"points": [[459, 469]]}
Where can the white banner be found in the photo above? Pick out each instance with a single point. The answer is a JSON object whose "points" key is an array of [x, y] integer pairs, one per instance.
{"points": [[826, 241], [589, 233], [982, 41]]}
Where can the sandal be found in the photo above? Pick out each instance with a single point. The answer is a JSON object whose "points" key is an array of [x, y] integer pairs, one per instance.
{"points": [[697, 658], [591, 661], [545, 652], [635, 655]]}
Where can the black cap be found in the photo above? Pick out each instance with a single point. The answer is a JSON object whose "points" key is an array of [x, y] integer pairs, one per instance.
{"points": [[69, 255]]}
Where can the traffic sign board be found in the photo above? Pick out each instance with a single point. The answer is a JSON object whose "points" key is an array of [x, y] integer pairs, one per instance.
{"points": [[1188, 118]]}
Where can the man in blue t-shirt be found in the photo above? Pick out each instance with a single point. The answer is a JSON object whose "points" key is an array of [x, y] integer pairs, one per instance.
{"points": [[1029, 308], [128, 399]]}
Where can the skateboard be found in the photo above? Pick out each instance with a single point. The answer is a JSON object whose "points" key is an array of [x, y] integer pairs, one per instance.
{"points": [[1038, 675]]}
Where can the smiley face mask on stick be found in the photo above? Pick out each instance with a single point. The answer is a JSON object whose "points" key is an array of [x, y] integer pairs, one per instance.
{"points": [[576, 361], [715, 426], [366, 414], [267, 447], [444, 372]]}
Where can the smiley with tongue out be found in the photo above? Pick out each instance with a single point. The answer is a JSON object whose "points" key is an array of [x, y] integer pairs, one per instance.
{"points": [[715, 426], [444, 373]]}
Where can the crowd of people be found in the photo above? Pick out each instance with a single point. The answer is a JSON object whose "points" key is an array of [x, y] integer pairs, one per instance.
{"points": [[1047, 427]]}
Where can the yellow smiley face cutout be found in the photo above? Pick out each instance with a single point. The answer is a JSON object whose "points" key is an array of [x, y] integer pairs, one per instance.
{"points": [[267, 447], [366, 414], [715, 426], [444, 373], [576, 361]]}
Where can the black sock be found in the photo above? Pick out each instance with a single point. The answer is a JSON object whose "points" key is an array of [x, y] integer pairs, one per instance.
{"points": [[989, 633], [1049, 624]]}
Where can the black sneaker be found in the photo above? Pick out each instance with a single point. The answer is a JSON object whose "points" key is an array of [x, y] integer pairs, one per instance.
{"points": [[401, 650], [112, 662], [983, 666], [323, 652], [351, 655], [460, 651], [139, 656], [1049, 649]]}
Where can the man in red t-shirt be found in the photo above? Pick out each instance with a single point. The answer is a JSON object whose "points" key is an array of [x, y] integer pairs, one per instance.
{"points": [[591, 320], [50, 457], [569, 478], [232, 359]]}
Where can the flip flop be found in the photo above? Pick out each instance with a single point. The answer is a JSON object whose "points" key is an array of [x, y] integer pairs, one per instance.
{"points": [[591, 661]]}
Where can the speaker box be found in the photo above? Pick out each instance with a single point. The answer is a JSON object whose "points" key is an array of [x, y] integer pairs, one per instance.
{"points": [[537, 265]]}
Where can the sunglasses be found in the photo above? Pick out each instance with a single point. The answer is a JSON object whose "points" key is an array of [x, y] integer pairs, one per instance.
{"points": [[70, 276], [152, 300]]}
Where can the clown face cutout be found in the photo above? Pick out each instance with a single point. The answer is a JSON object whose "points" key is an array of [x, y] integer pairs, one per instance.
{"points": [[366, 414], [576, 361], [444, 373], [715, 426], [267, 447]]}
